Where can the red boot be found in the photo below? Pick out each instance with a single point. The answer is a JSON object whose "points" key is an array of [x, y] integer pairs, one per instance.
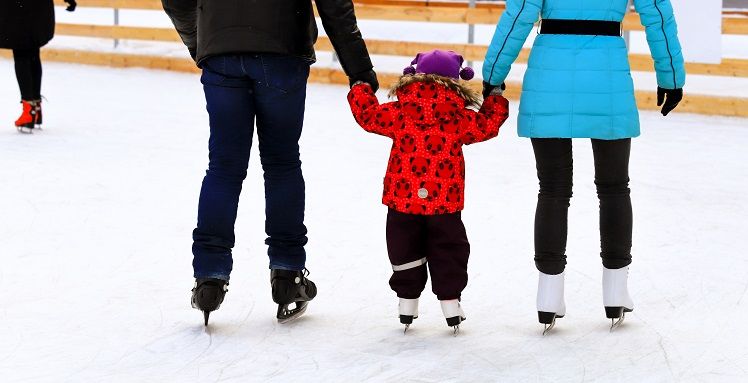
{"points": [[28, 117]]}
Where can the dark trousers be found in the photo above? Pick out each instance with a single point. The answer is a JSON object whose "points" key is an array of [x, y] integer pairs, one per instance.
{"points": [[241, 90], [28, 73], [439, 241], [554, 164]]}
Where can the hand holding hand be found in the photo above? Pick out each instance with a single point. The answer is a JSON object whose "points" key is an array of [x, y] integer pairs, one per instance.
{"points": [[489, 89], [674, 96], [369, 77], [72, 4]]}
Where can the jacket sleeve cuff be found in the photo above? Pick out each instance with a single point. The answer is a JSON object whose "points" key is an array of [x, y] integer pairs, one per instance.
{"points": [[354, 57]]}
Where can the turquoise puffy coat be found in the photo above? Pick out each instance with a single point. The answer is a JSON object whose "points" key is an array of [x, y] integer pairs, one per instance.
{"points": [[581, 86]]}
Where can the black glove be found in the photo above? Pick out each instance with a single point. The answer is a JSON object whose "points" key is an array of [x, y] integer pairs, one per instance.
{"points": [[193, 53], [71, 5], [369, 77], [674, 96], [487, 88]]}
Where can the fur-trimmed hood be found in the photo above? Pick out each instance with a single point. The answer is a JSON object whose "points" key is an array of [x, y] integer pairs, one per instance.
{"points": [[472, 98]]}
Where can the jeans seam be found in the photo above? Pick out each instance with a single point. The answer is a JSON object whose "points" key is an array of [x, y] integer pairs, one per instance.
{"points": [[241, 64]]}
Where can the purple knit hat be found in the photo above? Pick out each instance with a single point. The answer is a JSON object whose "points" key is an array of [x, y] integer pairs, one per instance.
{"points": [[442, 63]]}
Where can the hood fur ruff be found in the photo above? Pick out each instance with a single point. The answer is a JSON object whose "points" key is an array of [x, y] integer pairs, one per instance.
{"points": [[472, 98]]}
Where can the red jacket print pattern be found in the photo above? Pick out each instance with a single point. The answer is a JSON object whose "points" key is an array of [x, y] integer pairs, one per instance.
{"points": [[428, 124]]}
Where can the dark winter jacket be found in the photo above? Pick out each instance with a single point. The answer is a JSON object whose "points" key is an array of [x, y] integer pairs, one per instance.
{"points": [[26, 24], [428, 124], [268, 26]]}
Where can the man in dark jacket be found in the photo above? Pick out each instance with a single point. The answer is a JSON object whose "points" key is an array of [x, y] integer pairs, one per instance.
{"points": [[255, 56]]}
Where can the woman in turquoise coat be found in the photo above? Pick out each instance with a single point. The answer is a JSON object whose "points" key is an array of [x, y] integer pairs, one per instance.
{"points": [[578, 85]]}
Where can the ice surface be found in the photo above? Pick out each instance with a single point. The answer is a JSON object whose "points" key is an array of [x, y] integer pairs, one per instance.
{"points": [[96, 213]]}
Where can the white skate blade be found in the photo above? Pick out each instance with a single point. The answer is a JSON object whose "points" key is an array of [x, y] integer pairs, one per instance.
{"points": [[614, 324], [549, 327]]}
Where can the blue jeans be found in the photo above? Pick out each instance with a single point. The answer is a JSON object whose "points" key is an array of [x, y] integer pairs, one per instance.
{"points": [[238, 90]]}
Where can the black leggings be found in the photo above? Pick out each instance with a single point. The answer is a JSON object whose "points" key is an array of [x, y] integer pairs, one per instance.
{"points": [[553, 158], [28, 73]]}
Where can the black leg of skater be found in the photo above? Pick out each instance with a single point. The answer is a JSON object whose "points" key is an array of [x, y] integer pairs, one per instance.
{"points": [[616, 224], [406, 236], [448, 251], [554, 163], [616, 215], [26, 72], [26, 61], [36, 76]]}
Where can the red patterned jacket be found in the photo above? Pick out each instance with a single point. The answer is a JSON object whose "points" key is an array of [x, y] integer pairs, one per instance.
{"points": [[428, 124]]}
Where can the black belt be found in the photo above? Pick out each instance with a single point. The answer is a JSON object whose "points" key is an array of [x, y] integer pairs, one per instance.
{"points": [[580, 27]]}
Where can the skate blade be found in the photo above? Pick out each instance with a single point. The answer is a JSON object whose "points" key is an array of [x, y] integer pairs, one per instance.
{"points": [[285, 315], [614, 324], [206, 314], [455, 322], [549, 327], [25, 129], [407, 326]]}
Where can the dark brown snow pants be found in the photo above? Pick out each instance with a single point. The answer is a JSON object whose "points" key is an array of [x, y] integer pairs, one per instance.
{"points": [[437, 241]]}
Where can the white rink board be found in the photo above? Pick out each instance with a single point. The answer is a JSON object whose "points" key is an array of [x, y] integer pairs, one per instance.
{"points": [[700, 29]]}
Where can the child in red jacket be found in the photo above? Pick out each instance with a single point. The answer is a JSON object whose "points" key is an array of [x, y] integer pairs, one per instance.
{"points": [[425, 182]]}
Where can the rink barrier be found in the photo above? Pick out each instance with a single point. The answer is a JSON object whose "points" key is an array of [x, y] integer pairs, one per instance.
{"points": [[639, 62], [421, 11], [693, 103]]}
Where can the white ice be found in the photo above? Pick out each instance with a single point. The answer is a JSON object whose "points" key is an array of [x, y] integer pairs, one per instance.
{"points": [[96, 213]]}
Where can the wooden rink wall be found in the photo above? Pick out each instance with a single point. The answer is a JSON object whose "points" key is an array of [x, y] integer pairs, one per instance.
{"points": [[735, 23]]}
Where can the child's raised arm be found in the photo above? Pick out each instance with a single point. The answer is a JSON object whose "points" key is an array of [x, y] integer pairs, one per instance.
{"points": [[372, 116], [484, 124]]}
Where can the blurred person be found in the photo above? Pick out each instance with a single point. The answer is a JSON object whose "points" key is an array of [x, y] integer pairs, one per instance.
{"points": [[25, 27]]}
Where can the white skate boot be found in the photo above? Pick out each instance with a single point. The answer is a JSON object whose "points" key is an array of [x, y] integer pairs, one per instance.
{"points": [[453, 313], [550, 301], [616, 298], [408, 310]]}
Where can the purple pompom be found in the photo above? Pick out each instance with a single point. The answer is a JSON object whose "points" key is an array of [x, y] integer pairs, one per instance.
{"points": [[467, 73], [409, 70]]}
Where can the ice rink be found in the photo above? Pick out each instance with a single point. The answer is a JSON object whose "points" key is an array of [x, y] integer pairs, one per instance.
{"points": [[96, 213]]}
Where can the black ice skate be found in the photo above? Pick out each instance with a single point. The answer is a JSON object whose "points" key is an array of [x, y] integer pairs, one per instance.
{"points": [[616, 298], [453, 313], [550, 300], [407, 310], [291, 287], [39, 120], [208, 294]]}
